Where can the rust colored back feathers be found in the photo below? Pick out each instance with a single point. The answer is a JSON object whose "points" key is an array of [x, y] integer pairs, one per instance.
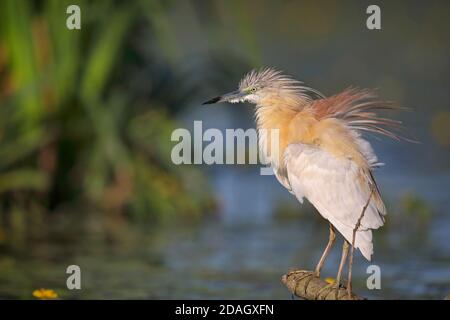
{"points": [[357, 108]]}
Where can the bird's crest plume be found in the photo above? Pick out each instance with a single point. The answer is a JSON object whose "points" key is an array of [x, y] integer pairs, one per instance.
{"points": [[270, 78]]}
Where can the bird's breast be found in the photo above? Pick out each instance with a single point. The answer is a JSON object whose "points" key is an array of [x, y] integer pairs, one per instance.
{"points": [[273, 131]]}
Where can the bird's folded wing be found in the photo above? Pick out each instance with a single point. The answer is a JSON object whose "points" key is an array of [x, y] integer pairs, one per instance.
{"points": [[281, 175], [337, 188]]}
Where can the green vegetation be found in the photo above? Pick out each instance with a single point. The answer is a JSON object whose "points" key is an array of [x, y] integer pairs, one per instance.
{"points": [[76, 130]]}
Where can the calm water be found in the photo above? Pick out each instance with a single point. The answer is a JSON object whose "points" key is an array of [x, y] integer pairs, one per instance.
{"points": [[227, 256]]}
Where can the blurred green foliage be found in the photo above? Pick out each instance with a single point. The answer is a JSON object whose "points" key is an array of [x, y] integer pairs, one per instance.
{"points": [[416, 208], [72, 130]]}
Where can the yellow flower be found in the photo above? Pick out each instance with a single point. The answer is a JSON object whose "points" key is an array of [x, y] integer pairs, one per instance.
{"points": [[45, 294], [330, 280]]}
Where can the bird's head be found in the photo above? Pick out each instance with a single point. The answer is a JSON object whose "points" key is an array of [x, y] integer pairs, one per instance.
{"points": [[261, 84]]}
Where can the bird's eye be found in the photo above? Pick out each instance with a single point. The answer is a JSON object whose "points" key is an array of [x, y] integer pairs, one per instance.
{"points": [[253, 90]]}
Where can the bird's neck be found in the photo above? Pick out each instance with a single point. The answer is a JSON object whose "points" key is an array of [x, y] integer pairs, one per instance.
{"points": [[272, 121], [276, 112], [273, 108]]}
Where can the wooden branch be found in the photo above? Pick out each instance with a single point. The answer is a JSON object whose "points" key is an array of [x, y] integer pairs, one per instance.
{"points": [[313, 288]]}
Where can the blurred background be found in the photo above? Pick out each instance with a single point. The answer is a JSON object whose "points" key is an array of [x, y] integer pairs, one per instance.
{"points": [[85, 123]]}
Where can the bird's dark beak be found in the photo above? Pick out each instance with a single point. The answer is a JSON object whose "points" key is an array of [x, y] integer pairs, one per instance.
{"points": [[213, 100], [235, 95]]}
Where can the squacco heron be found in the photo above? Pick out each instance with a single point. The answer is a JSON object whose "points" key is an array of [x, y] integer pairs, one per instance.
{"points": [[322, 155]]}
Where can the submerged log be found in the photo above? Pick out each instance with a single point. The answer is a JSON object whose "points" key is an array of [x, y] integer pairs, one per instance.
{"points": [[313, 288]]}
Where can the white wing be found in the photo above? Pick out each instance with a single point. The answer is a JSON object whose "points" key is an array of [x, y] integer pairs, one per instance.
{"points": [[281, 174], [338, 189]]}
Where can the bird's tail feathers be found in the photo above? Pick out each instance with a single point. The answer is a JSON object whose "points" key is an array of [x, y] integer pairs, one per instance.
{"points": [[363, 238]]}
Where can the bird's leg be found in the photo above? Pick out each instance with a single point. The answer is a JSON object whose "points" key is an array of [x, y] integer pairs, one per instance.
{"points": [[341, 266], [350, 262], [325, 253], [350, 265], [330, 243], [337, 284]]}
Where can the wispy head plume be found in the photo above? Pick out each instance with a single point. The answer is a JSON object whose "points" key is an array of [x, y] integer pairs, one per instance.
{"points": [[272, 79]]}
